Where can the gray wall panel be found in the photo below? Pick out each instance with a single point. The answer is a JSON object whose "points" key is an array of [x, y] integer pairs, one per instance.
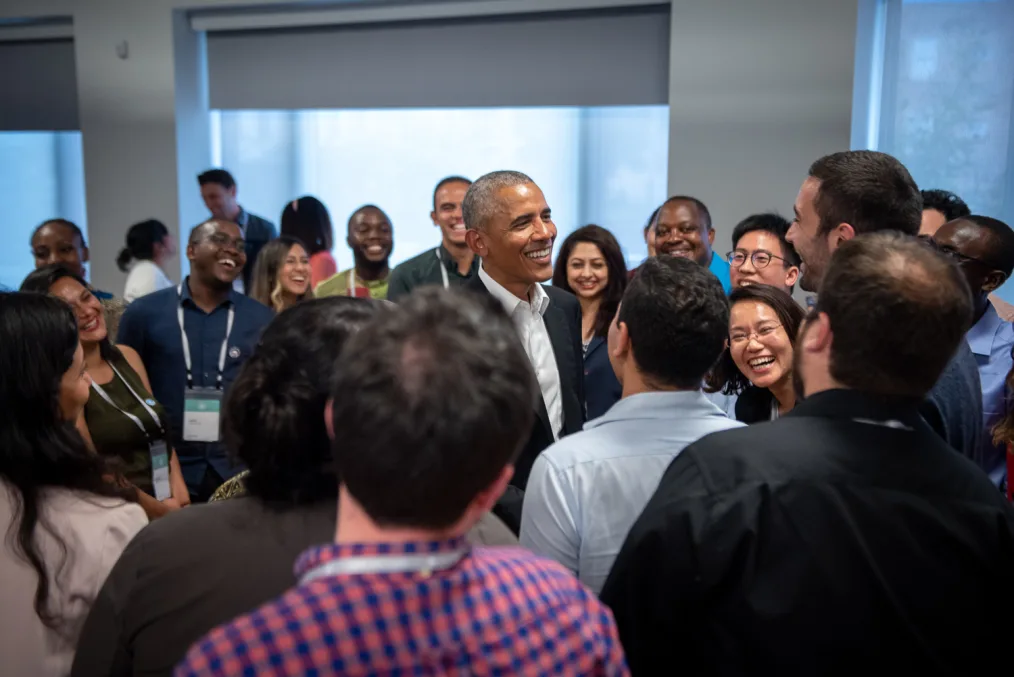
{"points": [[581, 59], [38, 86]]}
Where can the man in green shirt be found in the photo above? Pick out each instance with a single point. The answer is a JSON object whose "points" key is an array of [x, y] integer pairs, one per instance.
{"points": [[371, 239], [452, 262]]}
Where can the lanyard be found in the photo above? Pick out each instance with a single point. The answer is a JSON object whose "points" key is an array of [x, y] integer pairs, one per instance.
{"points": [[424, 564], [443, 269], [186, 341], [144, 403], [350, 288]]}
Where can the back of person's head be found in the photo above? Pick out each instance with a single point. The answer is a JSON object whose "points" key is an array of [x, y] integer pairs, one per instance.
{"points": [[307, 220], [432, 403], [39, 445], [482, 201], [897, 312], [273, 418], [141, 240], [677, 318], [869, 190], [217, 176], [772, 223], [616, 270], [945, 202]]}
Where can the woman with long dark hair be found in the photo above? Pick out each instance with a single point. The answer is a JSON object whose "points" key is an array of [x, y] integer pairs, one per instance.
{"points": [[122, 420], [591, 267], [209, 563], [149, 247], [281, 277], [758, 365], [64, 523], [307, 220]]}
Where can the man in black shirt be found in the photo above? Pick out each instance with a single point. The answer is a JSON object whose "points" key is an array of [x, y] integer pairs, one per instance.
{"points": [[845, 535]]}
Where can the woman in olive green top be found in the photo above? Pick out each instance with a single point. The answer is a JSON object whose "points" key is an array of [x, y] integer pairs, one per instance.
{"points": [[122, 421]]}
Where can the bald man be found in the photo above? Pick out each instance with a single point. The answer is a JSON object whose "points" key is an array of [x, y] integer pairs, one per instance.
{"points": [[371, 239], [193, 339]]}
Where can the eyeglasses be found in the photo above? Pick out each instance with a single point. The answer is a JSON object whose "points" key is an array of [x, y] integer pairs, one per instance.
{"points": [[761, 333], [759, 258], [953, 253]]}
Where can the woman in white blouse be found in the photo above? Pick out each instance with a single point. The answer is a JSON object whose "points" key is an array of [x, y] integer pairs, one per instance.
{"points": [[65, 523], [148, 248]]}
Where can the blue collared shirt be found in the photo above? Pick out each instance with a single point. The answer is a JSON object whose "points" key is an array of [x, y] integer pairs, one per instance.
{"points": [[720, 267], [150, 326], [586, 491], [991, 340]]}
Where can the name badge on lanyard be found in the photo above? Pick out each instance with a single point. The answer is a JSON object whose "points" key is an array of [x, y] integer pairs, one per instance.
{"points": [[157, 448], [202, 406]]}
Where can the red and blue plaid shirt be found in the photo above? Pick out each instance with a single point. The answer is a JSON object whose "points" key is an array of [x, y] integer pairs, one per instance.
{"points": [[499, 611]]}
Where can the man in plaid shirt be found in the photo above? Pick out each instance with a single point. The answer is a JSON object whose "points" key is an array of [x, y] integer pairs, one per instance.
{"points": [[429, 412]]}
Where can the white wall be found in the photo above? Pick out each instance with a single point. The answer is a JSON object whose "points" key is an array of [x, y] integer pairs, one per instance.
{"points": [[758, 90]]}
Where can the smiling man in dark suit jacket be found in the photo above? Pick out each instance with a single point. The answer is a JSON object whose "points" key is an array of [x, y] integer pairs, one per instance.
{"points": [[510, 227]]}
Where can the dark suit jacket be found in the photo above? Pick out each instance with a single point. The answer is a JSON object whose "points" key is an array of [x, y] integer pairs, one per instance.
{"points": [[258, 232], [601, 387], [563, 323], [754, 405]]}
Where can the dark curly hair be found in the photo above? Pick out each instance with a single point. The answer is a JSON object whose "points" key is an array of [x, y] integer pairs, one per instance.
{"points": [[273, 417]]}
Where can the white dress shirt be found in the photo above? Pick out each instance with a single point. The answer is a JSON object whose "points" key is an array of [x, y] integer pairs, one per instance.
{"points": [[531, 328], [586, 491], [144, 278]]}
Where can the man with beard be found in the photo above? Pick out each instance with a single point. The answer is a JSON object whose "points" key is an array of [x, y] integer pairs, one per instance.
{"points": [[371, 239], [851, 194], [193, 339], [844, 534], [683, 228]]}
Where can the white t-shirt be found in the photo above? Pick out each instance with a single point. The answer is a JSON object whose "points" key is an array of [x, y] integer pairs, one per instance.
{"points": [[144, 278]]}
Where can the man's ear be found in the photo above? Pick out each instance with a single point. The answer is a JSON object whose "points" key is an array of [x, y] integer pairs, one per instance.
{"points": [[476, 242], [791, 275], [622, 347], [993, 281], [711, 236], [433, 218], [817, 335], [840, 235], [85, 255], [328, 418]]}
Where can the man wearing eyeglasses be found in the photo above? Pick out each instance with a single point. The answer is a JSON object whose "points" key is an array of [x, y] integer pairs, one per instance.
{"points": [[762, 255], [984, 250]]}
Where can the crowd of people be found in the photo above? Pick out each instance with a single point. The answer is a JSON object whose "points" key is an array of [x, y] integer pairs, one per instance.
{"points": [[453, 467]]}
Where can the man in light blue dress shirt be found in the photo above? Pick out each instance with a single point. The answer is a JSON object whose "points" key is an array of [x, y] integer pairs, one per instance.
{"points": [[585, 491], [984, 248]]}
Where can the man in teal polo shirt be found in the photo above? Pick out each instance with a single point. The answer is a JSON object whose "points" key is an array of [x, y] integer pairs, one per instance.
{"points": [[452, 262], [683, 228]]}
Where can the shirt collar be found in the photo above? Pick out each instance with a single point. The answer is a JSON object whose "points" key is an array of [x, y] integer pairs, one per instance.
{"points": [[510, 302], [980, 336], [241, 219], [854, 404], [319, 555], [451, 265], [186, 297], [658, 405]]}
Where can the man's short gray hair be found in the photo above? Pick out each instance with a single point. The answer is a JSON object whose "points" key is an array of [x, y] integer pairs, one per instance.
{"points": [[482, 201]]}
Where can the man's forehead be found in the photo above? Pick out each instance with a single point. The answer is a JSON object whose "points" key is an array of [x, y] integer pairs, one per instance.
{"points": [[370, 215], [961, 232], [521, 197], [679, 210]]}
